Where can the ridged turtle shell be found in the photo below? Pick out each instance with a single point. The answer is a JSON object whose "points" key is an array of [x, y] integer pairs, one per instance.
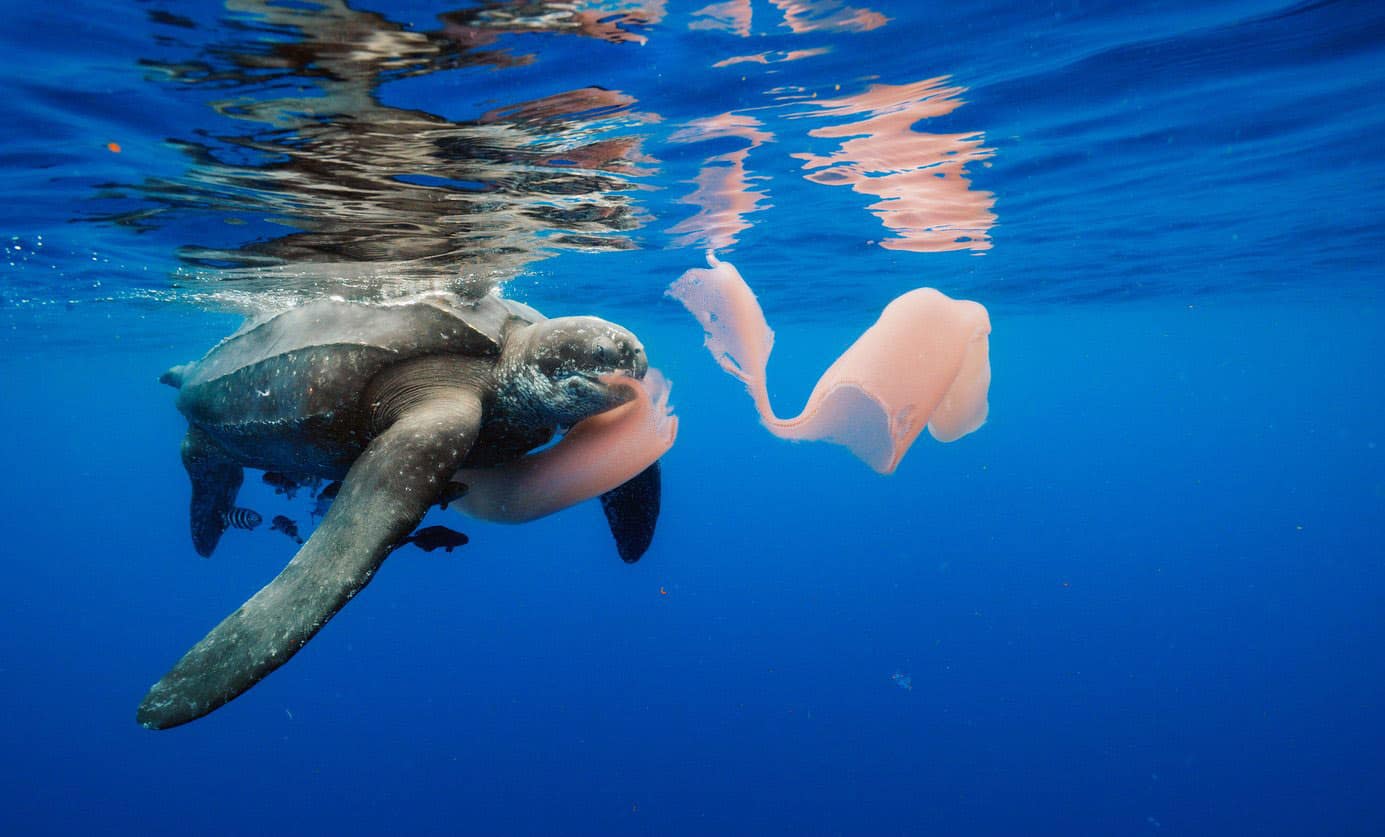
{"points": [[299, 376]]}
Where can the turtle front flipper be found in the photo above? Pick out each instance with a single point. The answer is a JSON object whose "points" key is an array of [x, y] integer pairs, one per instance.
{"points": [[215, 481], [175, 375], [384, 496], [632, 510]]}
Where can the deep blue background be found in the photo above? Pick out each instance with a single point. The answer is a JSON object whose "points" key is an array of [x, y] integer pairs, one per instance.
{"points": [[1148, 596]]}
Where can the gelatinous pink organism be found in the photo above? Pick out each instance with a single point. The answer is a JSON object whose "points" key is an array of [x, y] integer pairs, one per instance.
{"points": [[595, 456], [925, 362]]}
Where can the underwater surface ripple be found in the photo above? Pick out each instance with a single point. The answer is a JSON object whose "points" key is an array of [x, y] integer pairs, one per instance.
{"points": [[282, 152]]}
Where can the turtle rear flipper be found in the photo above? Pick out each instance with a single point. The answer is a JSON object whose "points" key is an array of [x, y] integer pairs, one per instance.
{"points": [[174, 375], [632, 510], [215, 482], [384, 496]]}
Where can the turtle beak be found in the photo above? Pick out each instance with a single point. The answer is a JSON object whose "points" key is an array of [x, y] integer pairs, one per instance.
{"points": [[639, 363], [629, 355]]}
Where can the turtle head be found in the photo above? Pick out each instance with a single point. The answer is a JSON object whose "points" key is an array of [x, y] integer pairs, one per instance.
{"points": [[552, 370]]}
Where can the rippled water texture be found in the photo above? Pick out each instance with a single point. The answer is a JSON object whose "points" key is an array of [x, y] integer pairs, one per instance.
{"points": [[289, 150]]}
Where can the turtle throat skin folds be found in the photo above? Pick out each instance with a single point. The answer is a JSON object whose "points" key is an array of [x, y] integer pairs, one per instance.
{"points": [[551, 371]]}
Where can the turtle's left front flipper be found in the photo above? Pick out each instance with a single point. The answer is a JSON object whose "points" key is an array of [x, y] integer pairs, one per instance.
{"points": [[384, 496]]}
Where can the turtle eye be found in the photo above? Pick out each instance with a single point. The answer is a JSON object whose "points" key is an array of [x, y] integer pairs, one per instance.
{"points": [[548, 365]]}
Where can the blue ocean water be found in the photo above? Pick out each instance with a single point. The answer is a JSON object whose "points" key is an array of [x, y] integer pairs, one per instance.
{"points": [[1147, 596]]}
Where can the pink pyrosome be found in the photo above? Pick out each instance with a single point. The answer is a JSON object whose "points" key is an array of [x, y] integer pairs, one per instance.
{"points": [[595, 456], [925, 362]]}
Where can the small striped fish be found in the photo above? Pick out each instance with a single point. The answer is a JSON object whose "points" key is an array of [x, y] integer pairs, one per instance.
{"points": [[243, 518]]}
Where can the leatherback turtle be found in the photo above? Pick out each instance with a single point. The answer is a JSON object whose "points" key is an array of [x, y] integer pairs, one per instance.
{"points": [[391, 399]]}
